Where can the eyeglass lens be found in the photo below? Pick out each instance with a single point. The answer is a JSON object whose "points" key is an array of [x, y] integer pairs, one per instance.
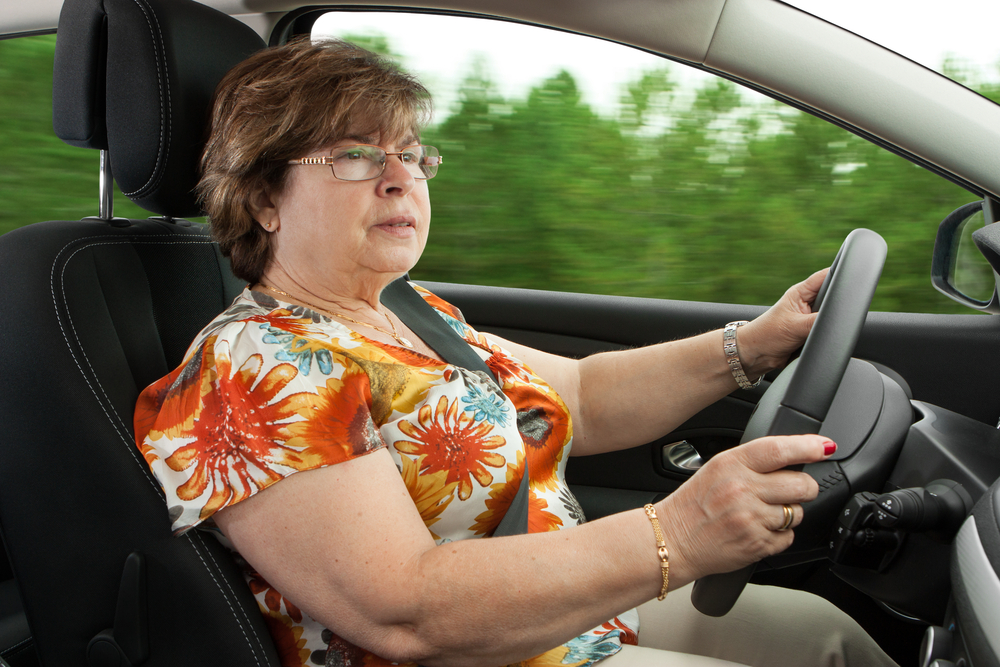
{"points": [[363, 162]]}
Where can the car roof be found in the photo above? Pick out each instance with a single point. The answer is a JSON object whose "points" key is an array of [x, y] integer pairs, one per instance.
{"points": [[765, 44]]}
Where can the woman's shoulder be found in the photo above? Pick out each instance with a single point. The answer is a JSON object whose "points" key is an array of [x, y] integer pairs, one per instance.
{"points": [[438, 304], [256, 323], [250, 308], [256, 400]]}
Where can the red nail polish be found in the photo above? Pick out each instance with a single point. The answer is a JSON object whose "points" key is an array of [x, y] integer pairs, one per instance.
{"points": [[829, 447]]}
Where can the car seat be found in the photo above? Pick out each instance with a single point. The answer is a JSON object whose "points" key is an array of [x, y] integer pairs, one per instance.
{"points": [[93, 311]]}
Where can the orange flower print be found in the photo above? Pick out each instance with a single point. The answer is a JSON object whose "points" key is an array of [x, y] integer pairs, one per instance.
{"points": [[544, 423], [339, 420], [291, 321], [392, 386], [401, 355], [506, 368], [502, 495], [172, 404], [449, 439], [148, 452], [272, 598], [626, 634], [440, 304], [431, 492], [237, 435], [287, 639]]}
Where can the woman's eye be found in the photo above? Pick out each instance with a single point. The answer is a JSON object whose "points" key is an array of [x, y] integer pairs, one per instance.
{"points": [[409, 158]]}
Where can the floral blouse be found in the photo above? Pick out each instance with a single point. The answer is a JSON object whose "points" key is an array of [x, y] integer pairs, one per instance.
{"points": [[269, 389]]}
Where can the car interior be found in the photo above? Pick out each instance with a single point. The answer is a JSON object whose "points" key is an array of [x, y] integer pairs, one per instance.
{"points": [[109, 304]]}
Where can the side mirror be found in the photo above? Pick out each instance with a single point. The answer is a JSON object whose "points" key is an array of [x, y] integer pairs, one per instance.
{"points": [[958, 269]]}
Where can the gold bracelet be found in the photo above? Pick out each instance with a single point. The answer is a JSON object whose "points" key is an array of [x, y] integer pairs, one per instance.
{"points": [[661, 550]]}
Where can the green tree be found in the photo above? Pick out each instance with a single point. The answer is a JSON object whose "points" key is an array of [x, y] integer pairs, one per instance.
{"points": [[700, 195]]}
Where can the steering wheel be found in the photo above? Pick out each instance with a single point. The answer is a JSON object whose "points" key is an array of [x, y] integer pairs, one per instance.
{"points": [[802, 400]]}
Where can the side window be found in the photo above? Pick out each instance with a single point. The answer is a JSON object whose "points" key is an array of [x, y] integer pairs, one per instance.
{"points": [[41, 178], [579, 165], [659, 181]]}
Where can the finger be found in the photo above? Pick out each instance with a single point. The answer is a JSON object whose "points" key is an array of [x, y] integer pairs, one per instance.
{"points": [[804, 293], [815, 281], [802, 323], [775, 452], [787, 486], [787, 517], [800, 514]]}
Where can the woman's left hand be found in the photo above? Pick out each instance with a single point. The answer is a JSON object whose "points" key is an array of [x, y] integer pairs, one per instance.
{"points": [[768, 341]]}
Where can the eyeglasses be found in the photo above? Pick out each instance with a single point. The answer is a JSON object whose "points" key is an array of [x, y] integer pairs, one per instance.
{"points": [[364, 162]]}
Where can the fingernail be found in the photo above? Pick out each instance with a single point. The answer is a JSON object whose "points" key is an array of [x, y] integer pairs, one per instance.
{"points": [[829, 447]]}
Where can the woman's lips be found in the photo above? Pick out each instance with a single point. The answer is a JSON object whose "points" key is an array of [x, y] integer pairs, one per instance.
{"points": [[401, 226]]}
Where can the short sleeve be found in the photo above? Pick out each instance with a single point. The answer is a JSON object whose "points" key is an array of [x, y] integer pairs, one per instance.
{"points": [[234, 419]]}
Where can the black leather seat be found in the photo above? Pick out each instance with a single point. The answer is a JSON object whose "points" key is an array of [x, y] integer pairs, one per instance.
{"points": [[91, 312]]}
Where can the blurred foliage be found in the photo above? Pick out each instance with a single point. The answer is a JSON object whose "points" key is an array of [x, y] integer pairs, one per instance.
{"points": [[697, 195], [41, 178], [730, 203]]}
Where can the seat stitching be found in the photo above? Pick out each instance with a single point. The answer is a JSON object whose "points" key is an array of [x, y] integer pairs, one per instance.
{"points": [[115, 420], [163, 150], [65, 266], [96, 241], [192, 537], [17, 646], [82, 351]]}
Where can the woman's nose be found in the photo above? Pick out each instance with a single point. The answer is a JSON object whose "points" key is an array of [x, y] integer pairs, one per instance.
{"points": [[396, 178]]}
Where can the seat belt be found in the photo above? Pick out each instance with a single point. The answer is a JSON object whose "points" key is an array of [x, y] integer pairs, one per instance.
{"points": [[422, 319]]}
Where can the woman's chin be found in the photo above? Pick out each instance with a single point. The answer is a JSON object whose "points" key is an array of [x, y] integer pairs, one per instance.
{"points": [[396, 263]]}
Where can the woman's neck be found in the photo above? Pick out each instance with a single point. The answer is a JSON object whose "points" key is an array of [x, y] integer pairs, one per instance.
{"points": [[357, 297]]}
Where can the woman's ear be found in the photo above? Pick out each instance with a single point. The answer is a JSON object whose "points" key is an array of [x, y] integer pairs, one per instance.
{"points": [[264, 211]]}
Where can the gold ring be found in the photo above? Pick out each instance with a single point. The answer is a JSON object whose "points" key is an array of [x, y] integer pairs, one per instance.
{"points": [[789, 517]]}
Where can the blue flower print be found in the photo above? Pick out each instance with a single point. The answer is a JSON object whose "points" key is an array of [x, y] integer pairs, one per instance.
{"points": [[460, 328], [299, 351], [486, 405], [591, 648]]}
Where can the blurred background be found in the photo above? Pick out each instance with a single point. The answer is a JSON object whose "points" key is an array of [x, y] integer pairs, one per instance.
{"points": [[588, 170]]}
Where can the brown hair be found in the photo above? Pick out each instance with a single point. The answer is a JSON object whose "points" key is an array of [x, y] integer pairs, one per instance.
{"points": [[283, 103]]}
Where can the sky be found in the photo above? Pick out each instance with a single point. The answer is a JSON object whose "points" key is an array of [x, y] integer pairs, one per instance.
{"points": [[919, 29]]}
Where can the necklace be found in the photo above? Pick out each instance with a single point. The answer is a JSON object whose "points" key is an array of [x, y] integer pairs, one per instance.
{"points": [[394, 333]]}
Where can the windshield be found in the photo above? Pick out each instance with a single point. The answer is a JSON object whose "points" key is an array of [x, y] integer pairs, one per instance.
{"points": [[955, 38]]}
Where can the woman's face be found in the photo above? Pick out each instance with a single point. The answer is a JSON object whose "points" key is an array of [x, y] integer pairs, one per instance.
{"points": [[333, 234]]}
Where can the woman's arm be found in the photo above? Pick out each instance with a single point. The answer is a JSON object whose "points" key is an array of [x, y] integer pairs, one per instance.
{"points": [[346, 544], [628, 398]]}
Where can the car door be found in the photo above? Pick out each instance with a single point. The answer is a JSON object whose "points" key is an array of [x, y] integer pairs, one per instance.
{"points": [[578, 226], [579, 221]]}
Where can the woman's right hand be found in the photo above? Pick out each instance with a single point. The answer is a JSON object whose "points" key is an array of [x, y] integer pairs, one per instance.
{"points": [[728, 515]]}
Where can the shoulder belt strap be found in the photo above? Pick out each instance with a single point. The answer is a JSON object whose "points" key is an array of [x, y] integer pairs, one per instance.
{"points": [[423, 320]]}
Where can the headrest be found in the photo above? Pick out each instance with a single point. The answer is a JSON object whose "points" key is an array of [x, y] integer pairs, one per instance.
{"points": [[136, 78]]}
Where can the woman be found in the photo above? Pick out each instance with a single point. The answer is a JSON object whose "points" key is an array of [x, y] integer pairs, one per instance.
{"points": [[392, 462]]}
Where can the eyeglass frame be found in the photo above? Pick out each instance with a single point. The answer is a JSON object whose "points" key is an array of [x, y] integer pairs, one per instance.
{"points": [[323, 160]]}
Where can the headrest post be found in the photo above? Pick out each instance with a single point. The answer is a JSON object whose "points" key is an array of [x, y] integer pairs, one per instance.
{"points": [[106, 210], [136, 78]]}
